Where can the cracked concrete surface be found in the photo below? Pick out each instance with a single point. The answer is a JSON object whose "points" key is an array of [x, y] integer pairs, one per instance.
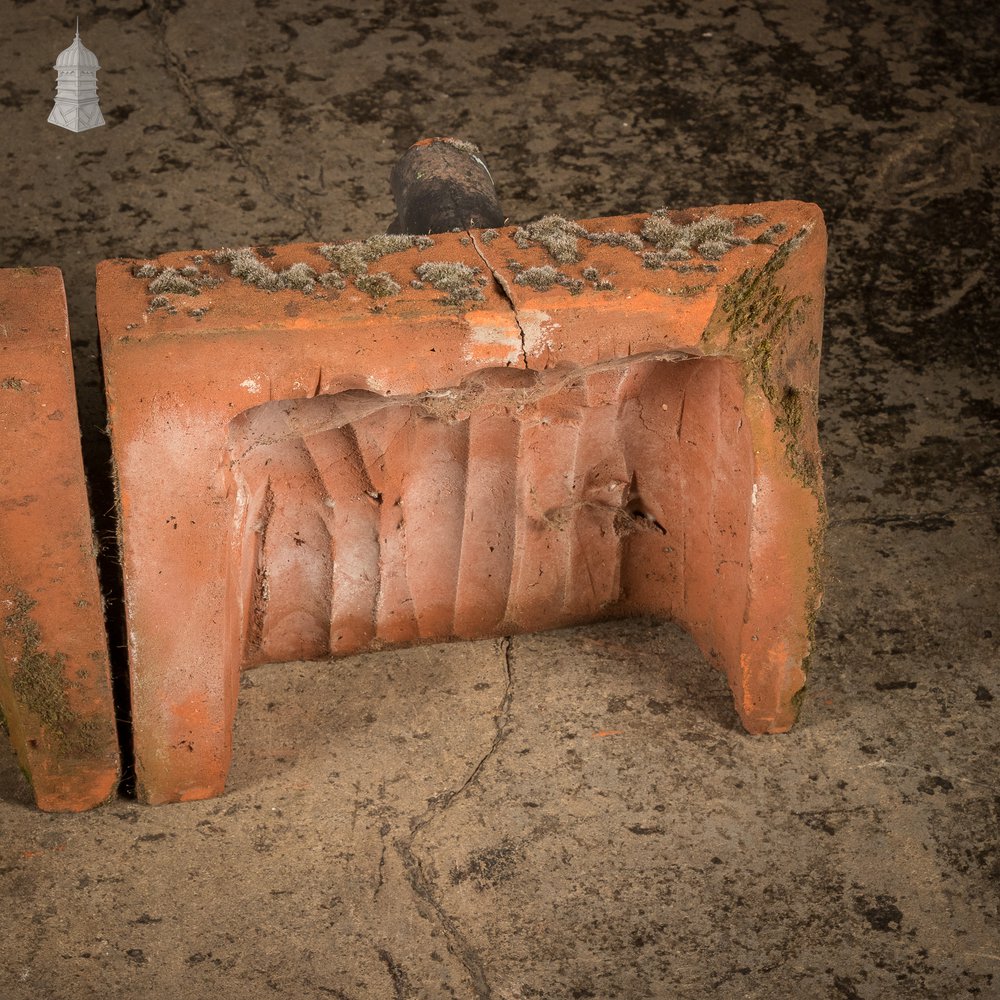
{"points": [[577, 814]]}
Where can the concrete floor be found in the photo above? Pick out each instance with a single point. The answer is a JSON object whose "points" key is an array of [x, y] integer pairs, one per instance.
{"points": [[450, 821]]}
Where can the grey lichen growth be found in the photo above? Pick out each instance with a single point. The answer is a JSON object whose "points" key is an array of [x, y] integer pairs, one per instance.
{"points": [[300, 276], [611, 238], [14, 384], [354, 258], [713, 249], [488, 236], [544, 277], [458, 280], [378, 286], [416, 284], [689, 268], [710, 237], [557, 235], [159, 302], [332, 279], [754, 219], [251, 270], [169, 280], [600, 284]]}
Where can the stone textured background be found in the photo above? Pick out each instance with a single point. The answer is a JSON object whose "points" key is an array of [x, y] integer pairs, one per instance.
{"points": [[450, 821]]}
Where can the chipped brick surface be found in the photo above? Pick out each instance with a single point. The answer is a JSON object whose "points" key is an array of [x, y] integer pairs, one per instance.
{"points": [[55, 688], [593, 426]]}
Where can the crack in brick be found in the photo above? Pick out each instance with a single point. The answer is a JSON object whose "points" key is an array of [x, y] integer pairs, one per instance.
{"points": [[197, 106], [508, 295], [420, 883]]}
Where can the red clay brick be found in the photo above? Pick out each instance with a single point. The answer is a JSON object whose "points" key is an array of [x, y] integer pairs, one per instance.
{"points": [[307, 474], [55, 688]]}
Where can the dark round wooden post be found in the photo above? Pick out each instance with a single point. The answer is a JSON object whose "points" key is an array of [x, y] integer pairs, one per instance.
{"points": [[440, 185]]}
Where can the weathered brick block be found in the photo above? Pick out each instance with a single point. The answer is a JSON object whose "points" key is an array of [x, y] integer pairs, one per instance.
{"points": [[495, 432], [55, 688]]}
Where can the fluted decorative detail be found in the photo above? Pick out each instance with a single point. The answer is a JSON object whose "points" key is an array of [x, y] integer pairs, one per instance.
{"points": [[514, 502]]}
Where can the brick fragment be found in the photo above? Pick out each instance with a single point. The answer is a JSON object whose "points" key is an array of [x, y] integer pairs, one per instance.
{"points": [[55, 687], [607, 418]]}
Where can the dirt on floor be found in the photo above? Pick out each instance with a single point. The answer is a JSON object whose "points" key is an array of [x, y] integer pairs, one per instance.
{"points": [[577, 814]]}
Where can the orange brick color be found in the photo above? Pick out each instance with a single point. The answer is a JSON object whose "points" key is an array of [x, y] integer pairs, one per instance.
{"points": [[535, 433], [55, 688]]}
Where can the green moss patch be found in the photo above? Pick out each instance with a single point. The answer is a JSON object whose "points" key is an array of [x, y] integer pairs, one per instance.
{"points": [[40, 686], [760, 317]]}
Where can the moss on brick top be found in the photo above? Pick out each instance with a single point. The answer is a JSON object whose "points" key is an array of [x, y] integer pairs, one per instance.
{"points": [[559, 236], [251, 270], [354, 258], [378, 286], [710, 237], [460, 281], [544, 277], [184, 281]]}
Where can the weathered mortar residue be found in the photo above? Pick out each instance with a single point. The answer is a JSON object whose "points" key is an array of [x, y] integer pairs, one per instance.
{"points": [[40, 686]]}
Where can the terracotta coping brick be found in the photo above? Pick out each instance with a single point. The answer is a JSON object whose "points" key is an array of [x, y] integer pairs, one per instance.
{"points": [[309, 473], [55, 687]]}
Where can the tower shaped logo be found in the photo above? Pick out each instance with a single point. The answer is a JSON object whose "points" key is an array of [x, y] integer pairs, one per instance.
{"points": [[76, 106]]}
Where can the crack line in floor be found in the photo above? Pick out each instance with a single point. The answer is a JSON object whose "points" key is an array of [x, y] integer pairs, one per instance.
{"points": [[419, 881], [198, 108]]}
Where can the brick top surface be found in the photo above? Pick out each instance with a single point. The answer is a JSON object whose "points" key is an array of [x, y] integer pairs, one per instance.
{"points": [[131, 309], [32, 305]]}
